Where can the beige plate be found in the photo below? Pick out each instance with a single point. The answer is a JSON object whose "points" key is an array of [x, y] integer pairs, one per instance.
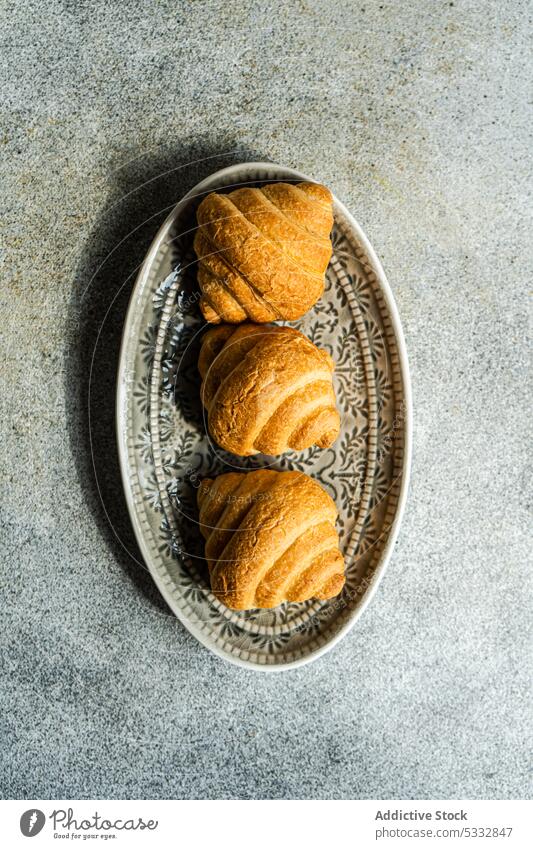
{"points": [[165, 452]]}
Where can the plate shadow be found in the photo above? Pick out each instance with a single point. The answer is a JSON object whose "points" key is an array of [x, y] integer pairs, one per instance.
{"points": [[141, 194]]}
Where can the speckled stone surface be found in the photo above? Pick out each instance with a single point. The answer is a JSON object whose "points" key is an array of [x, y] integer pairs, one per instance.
{"points": [[415, 114]]}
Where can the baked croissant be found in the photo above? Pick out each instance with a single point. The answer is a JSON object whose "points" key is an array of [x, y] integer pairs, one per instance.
{"points": [[270, 537], [263, 252], [266, 388]]}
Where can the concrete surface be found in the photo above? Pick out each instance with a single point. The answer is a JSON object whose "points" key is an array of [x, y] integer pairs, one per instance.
{"points": [[415, 113]]}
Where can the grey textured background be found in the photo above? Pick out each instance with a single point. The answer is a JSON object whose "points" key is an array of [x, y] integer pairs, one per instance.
{"points": [[415, 113]]}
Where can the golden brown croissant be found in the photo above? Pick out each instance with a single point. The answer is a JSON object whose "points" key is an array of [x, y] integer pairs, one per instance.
{"points": [[267, 389], [270, 537], [263, 252]]}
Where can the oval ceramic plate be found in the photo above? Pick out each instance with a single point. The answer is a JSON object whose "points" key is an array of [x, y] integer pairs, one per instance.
{"points": [[165, 451]]}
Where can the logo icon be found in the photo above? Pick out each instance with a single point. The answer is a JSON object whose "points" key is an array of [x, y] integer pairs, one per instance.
{"points": [[31, 822]]}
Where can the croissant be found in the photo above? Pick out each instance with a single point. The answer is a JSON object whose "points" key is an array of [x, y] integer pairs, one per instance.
{"points": [[270, 537], [263, 252], [266, 388]]}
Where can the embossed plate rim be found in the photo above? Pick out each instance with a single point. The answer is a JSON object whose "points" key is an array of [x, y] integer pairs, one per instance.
{"points": [[130, 338]]}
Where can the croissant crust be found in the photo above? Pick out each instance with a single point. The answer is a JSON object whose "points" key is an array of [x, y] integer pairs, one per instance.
{"points": [[267, 389], [270, 538], [263, 252]]}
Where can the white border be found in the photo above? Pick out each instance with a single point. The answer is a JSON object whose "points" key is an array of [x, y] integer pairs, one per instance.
{"points": [[313, 823]]}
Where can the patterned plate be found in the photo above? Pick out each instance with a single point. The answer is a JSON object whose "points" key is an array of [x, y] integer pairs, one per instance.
{"points": [[165, 451]]}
